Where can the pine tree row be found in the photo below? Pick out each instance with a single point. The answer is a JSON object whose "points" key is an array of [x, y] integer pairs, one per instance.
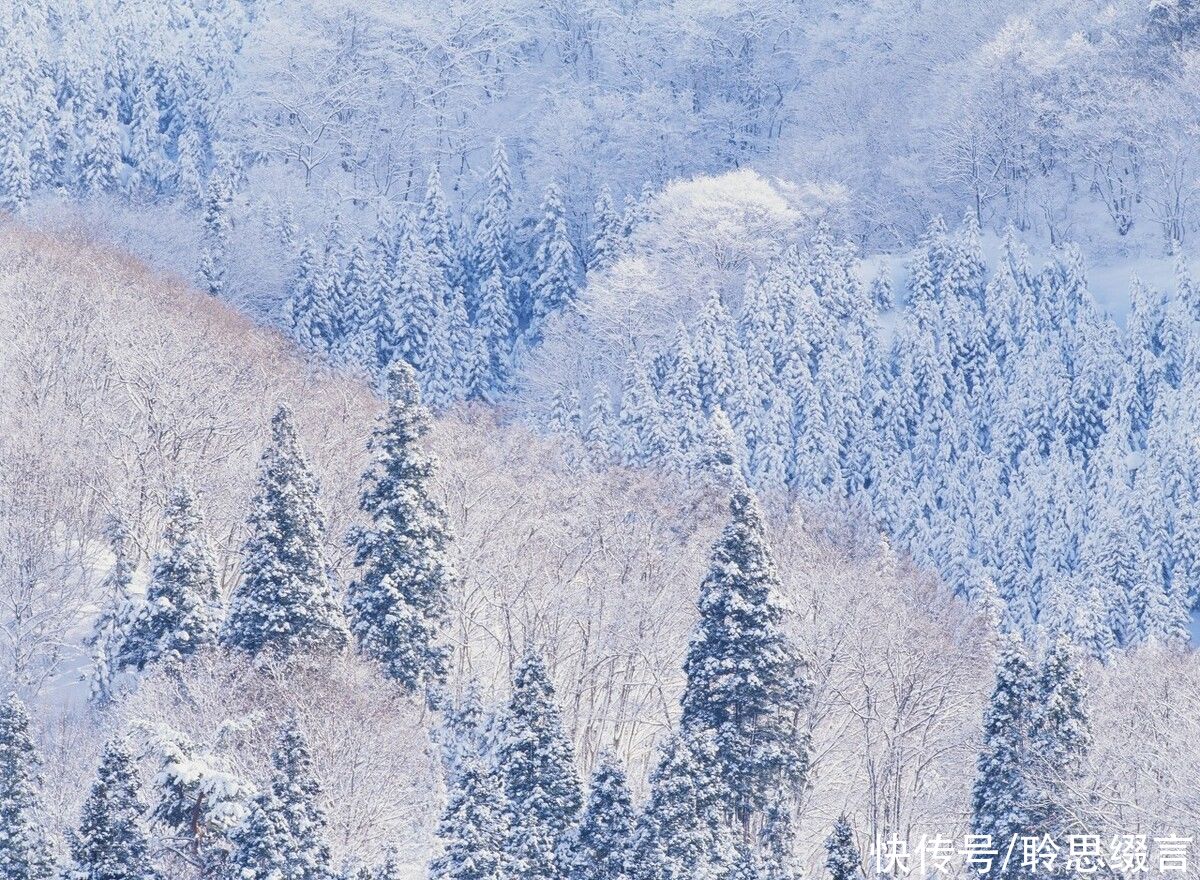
{"points": [[284, 606]]}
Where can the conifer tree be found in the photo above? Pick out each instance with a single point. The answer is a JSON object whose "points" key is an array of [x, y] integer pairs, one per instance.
{"points": [[842, 858], [599, 848], [434, 223], [24, 854], [552, 277], [474, 828], [399, 599], [111, 843], [283, 604], [308, 314], [214, 254], [496, 326], [746, 683], [257, 843], [107, 638], [179, 615], [493, 233], [537, 766], [301, 815], [1001, 798], [606, 233], [599, 439], [679, 834]]}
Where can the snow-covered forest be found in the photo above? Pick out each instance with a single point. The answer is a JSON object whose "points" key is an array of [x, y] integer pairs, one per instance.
{"points": [[598, 440]]}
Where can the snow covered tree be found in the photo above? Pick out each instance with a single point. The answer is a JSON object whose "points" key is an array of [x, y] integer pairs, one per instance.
{"points": [[474, 827], [679, 833], [842, 858], [301, 814], [1001, 797], [111, 843], [598, 437], [16, 176], [107, 638], [257, 843], [606, 238], [496, 325], [308, 309], [283, 605], [537, 766], [553, 274], [399, 599], [599, 848], [24, 854], [493, 233], [434, 223], [179, 615], [746, 684], [214, 253]]}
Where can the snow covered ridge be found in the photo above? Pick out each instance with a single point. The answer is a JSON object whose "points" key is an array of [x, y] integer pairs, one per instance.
{"points": [[139, 385]]}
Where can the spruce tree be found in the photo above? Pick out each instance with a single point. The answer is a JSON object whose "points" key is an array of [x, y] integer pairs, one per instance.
{"points": [[179, 615], [537, 766], [107, 638], [496, 325], [24, 854], [1001, 798], [399, 599], [257, 843], [474, 827], [606, 233], [680, 833], [434, 223], [111, 843], [308, 309], [283, 604], [493, 233], [214, 254], [600, 846], [746, 683], [842, 858], [301, 815], [552, 277]]}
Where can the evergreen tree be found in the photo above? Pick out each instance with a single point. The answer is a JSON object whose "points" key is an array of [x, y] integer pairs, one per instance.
{"points": [[434, 223], [1001, 798], [107, 638], [553, 283], [537, 766], [598, 438], [179, 616], [111, 843], [474, 828], [399, 599], [283, 604], [308, 309], [493, 233], [606, 240], [599, 849], [746, 683], [300, 816], [257, 843], [24, 854], [842, 858], [679, 834], [214, 254], [496, 326]]}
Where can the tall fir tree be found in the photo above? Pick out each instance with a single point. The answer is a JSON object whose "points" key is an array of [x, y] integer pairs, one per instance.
{"points": [[111, 843], [214, 253], [746, 684], [399, 599], [842, 858], [257, 843], [179, 616], [474, 827], [537, 765], [606, 239], [494, 232], [107, 638], [553, 281], [284, 605], [600, 846], [1001, 797], [24, 852], [304, 848]]}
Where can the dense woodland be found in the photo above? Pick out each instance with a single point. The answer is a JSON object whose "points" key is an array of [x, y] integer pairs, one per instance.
{"points": [[490, 440]]}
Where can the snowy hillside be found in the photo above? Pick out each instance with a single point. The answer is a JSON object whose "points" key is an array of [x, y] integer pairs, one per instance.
{"points": [[598, 439]]}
